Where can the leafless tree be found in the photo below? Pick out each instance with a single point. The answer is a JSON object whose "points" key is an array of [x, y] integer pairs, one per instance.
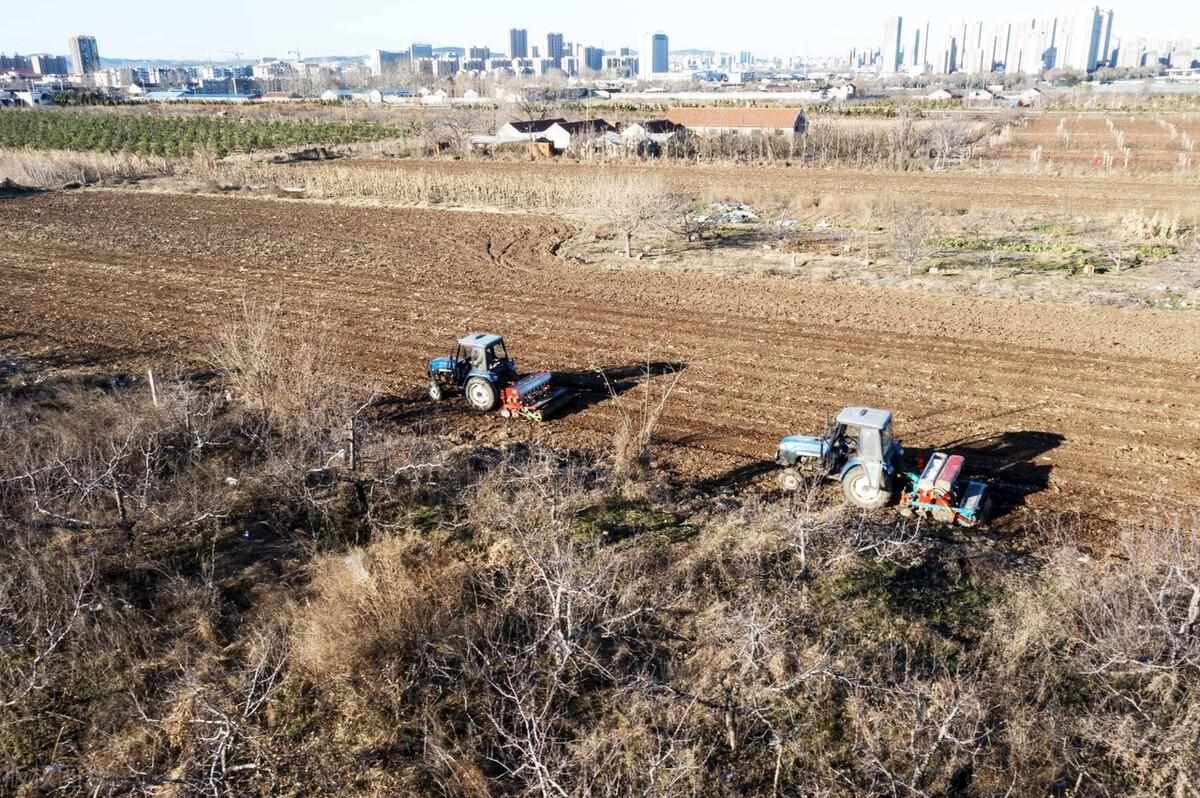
{"points": [[454, 126], [789, 234], [632, 203], [993, 256], [904, 140], [948, 140], [689, 222], [910, 233], [637, 421]]}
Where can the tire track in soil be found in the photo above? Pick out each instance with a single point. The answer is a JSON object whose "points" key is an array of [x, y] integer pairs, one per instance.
{"points": [[1126, 418]]}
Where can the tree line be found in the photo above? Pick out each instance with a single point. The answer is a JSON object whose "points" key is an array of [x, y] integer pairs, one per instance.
{"points": [[174, 136]]}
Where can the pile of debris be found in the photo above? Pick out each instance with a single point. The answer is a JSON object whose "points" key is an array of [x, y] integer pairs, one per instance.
{"points": [[310, 154], [730, 213]]}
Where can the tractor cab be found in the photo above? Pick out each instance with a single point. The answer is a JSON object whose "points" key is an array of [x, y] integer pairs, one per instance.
{"points": [[858, 449], [865, 437], [481, 353], [479, 366]]}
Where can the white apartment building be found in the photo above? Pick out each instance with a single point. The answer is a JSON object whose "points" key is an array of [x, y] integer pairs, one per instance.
{"points": [[892, 52]]}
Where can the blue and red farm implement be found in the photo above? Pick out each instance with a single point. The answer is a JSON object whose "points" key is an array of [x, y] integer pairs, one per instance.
{"points": [[860, 452], [940, 492]]}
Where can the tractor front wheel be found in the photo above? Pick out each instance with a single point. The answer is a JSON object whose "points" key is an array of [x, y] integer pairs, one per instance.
{"points": [[857, 488], [435, 391], [481, 395], [790, 480]]}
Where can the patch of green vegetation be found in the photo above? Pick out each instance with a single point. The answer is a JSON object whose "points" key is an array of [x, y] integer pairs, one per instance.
{"points": [[1155, 252], [293, 712], [1020, 246], [1053, 229], [1039, 247], [960, 243], [931, 592], [173, 136], [612, 522], [1052, 265], [427, 517]]}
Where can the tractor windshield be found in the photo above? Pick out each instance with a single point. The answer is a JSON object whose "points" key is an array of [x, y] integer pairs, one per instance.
{"points": [[497, 352]]}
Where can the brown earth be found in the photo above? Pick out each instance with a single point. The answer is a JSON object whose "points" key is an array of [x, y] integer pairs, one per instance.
{"points": [[1070, 408], [1156, 143], [974, 189]]}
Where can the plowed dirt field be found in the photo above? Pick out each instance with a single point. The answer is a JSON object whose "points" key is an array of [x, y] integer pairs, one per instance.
{"points": [[1070, 408]]}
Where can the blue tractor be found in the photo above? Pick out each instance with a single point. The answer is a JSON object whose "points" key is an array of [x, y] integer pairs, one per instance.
{"points": [[858, 450], [479, 368]]}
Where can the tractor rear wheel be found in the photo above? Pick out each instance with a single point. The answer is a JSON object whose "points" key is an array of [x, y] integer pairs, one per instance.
{"points": [[435, 391], [481, 395], [857, 488]]}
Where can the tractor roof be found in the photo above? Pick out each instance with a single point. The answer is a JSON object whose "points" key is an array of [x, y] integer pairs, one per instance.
{"points": [[483, 340], [867, 417]]}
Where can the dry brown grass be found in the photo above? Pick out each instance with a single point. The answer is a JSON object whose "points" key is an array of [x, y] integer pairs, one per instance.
{"points": [[292, 378], [584, 191], [56, 168], [510, 625], [372, 604], [1141, 226]]}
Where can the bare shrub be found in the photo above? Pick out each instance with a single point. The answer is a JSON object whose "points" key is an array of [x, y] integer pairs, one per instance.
{"points": [[42, 602], [920, 733], [637, 421], [288, 374], [950, 139], [1120, 634], [109, 460], [1139, 226], [586, 194]]}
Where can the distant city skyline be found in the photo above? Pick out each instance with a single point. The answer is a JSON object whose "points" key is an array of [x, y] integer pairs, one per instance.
{"points": [[355, 27]]}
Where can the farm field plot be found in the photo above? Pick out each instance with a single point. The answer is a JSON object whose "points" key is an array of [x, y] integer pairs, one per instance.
{"points": [[978, 190], [1071, 408], [1142, 143]]}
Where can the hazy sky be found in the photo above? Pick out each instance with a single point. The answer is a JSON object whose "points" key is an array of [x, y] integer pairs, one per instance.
{"points": [[139, 29]]}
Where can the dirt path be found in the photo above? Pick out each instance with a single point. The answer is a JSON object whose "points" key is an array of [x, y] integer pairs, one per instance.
{"points": [[1073, 408]]}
